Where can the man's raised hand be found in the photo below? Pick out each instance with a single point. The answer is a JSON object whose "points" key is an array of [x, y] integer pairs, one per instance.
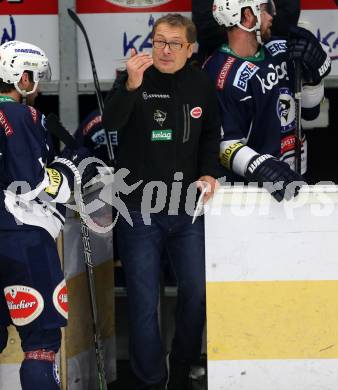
{"points": [[136, 66]]}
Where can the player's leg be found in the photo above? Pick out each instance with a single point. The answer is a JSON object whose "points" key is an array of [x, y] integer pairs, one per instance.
{"points": [[36, 296], [4, 320]]}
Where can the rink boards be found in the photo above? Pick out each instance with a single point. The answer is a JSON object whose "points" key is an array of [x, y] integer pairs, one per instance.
{"points": [[272, 291]]}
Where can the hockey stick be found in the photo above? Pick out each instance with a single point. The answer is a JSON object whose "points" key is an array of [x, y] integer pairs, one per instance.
{"points": [[55, 127], [298, 112], [98, 93]]}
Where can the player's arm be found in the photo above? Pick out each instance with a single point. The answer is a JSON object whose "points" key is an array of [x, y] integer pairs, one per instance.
{"points": [[265, 169], [244, 161], [304, 47], [28, 169]]}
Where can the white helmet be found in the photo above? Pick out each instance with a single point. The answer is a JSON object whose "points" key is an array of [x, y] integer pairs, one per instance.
{"points": [[17, 57], [228, 13]]}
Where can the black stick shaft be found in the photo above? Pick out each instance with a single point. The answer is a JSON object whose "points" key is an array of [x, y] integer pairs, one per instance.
{"points": [[55, 127], [298, 109], [98, 93]]}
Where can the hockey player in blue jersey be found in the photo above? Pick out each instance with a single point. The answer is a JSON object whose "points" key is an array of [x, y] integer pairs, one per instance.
{"points": [[33, 187], [91, 134], [255, 88]]}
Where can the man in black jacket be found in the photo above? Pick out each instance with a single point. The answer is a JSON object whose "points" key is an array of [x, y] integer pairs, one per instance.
{"points": [[168, 127]]}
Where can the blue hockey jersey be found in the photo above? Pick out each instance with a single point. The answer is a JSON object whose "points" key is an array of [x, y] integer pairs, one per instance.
{"points": [[256, 97], [91, 134], [30, 190]]}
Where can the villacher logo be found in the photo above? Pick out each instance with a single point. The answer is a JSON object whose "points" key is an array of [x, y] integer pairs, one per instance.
{"points": [[60, 299], [24, 303]]}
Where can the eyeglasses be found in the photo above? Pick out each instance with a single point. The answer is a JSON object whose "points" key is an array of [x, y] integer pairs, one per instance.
{"points": [[174, 46]]}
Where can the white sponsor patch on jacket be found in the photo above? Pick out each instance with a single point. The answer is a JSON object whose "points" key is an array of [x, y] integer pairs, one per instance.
{"points": [[24, 303], [244, 73]]}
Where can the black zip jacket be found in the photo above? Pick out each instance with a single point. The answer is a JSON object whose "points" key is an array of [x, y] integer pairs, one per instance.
{"points": [[169, 124]]}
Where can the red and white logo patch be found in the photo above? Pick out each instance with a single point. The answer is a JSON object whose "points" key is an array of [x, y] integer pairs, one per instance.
{"points": [[196, 112], [60, 299], [288, 143], [223, 74], [5, 124], [91, 124], [34, 114], [25, 304]]}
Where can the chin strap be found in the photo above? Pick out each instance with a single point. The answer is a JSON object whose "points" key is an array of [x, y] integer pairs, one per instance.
{"points": [[23, 92], [256, 28]]}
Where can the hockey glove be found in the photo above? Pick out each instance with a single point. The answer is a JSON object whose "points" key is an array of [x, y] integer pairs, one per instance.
{"points": [[276, 176], [303, 46], [76, 156]]}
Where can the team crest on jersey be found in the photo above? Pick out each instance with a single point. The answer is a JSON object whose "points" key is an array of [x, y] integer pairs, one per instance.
{"points": [[5, 124], [286, 110], [223, 74], [34, 114], [60, 299], [160, 117], [24, 303], [244, 73]]}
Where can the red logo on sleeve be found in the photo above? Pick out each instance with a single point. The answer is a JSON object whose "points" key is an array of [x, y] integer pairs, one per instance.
{"points": [[5, 124], [60, 299], [25, 304], [223, 74], [34, 114], [91, 124]]}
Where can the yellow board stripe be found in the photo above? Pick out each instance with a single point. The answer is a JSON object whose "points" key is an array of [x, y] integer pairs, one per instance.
{"points": [[272, 320], [79, 332], [12, 353]]}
